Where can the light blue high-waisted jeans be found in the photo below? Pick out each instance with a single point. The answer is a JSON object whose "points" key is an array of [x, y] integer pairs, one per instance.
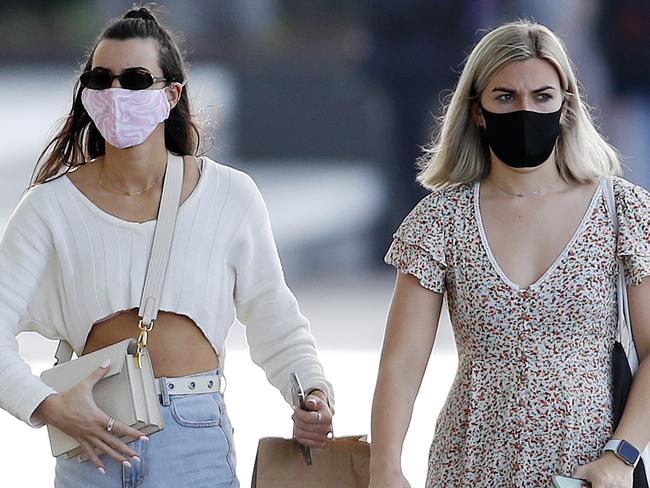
{"points": [[194, 449]]}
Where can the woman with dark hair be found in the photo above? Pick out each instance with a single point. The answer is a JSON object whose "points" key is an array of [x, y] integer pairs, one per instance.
{"points": [[73, 261]]}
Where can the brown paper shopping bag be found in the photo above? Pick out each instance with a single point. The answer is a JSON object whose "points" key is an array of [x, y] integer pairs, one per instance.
{"points": [[344, 463]]}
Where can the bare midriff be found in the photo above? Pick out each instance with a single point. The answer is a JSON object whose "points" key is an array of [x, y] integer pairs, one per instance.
{"points": [[176, 345]]}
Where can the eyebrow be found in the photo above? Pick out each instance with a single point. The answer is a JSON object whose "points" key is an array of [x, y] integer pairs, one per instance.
{"points": [[509, 90]]}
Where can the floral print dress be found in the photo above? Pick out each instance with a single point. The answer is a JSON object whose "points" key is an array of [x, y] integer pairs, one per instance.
{"points": [[532, 393]]}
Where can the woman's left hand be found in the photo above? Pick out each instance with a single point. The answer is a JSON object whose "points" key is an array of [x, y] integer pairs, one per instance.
{"points": [[608, 471], [311, 426]]}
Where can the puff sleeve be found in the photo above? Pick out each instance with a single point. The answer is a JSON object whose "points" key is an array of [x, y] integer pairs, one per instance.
{"points": [[633, 246], [419, 245], [278, 335]]}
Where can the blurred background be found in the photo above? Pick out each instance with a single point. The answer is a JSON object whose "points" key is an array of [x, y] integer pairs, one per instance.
{"points": [[326, 104]]}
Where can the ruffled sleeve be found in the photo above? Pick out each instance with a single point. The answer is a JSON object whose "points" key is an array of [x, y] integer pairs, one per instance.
{"points": [[419, 245], [633, 246]]}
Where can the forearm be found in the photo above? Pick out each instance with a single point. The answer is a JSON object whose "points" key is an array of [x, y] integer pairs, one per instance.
{"points": [[395, 393], [410, 334], [635, 423]]}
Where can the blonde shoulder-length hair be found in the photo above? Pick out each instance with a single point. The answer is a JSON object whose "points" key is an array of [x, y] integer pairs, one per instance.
{"points": [[459, 154]]}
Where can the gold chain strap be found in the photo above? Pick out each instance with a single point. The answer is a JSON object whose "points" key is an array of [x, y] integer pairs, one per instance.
{"points": [[142, 342]]}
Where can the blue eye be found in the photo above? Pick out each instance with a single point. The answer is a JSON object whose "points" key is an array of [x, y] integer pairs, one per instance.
{"points": [[506, 97], [544, 97]]}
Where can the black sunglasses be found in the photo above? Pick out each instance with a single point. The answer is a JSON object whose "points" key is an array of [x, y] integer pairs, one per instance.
{"points": [[130, 78]]}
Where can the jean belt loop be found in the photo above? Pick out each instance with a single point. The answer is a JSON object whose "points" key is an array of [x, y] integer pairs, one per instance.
{"points": [[223, 384], [163, 391]]}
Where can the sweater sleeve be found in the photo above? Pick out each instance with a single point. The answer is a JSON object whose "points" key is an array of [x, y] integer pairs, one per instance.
{"points": [[26, 254], [278, 335]]}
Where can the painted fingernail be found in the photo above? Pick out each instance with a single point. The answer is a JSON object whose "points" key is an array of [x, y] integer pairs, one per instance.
{"points": [[106, 363], [136, 458], [101, 470], [127, 464], [144, 438]]}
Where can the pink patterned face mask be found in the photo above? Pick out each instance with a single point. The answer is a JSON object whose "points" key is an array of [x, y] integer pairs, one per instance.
{"points": [[124, 117]]}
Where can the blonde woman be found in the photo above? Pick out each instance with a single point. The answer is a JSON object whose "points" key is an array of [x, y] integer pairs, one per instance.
{"points": [[517, 235]]}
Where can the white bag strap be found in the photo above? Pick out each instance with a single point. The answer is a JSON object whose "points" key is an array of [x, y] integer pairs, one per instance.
{"points": [[161, 246], [162, 240], [624, 323]]}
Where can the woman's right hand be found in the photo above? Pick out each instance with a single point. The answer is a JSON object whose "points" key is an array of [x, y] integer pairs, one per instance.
{"points": [[384, 480], [74, 412]]}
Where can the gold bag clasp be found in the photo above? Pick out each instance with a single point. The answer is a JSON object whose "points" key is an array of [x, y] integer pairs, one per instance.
{"points": [[142, 342]]}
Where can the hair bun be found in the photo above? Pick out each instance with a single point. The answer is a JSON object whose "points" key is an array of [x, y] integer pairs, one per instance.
{"points": [[140, 13]]}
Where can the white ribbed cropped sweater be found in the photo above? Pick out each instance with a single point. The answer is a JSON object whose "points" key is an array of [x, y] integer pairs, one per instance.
{"points": [[66, 263]]}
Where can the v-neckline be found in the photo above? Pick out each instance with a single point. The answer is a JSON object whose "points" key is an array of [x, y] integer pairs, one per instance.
{"points": [[488, 250]]}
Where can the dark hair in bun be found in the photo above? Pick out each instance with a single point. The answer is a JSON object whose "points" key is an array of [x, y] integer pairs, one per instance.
{"points": [[79, 140], [140, 13]]}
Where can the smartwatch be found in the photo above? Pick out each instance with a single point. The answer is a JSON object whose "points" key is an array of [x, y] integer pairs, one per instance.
{"points": [[625, 451]]}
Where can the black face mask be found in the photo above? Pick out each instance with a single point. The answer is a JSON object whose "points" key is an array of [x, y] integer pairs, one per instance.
{"points": [[522, 139]]}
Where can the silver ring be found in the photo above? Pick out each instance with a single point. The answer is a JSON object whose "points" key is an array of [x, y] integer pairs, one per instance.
{"points": [[110, 423], [319, 417]]}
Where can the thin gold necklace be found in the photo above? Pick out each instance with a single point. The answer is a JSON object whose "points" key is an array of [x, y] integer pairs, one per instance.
{"points": [[128, 193], [530, 194]]}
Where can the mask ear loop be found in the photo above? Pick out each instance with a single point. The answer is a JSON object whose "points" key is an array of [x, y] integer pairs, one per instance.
{"points": [[480, 110], [563, 114]]}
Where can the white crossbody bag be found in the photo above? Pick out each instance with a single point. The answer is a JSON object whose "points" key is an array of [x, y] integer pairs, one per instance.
{"points": [[127, 391]]}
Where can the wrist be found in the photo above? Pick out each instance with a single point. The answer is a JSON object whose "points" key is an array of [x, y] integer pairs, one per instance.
{"points": [[386, 460], [322, 395], [319, 393], [42, 414], [385, 470], [616, 462]]}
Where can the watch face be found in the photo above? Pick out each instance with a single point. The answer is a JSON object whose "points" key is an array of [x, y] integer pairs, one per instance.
{"points": [[628, 452]]}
